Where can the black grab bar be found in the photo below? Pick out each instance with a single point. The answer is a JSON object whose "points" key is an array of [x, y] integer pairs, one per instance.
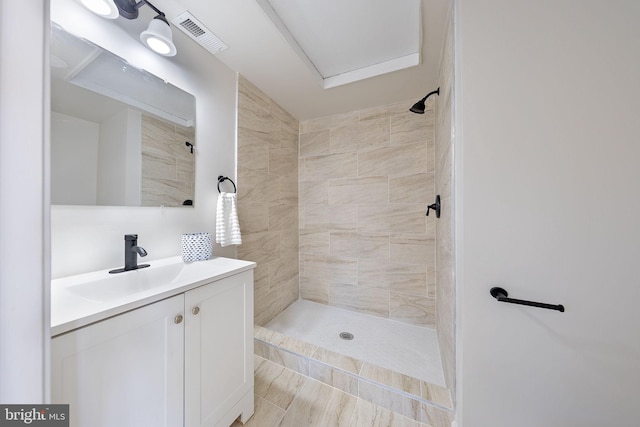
{"points": [[501, 295]]}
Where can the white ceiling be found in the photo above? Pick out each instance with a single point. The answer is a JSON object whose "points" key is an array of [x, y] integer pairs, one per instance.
{"points": [[338, 36]]}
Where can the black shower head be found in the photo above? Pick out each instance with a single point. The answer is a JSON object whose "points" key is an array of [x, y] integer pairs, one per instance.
{"points": [[419, 107]]}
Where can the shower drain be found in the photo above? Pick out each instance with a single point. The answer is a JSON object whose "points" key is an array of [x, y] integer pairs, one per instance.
{"points": [[346, 335]]}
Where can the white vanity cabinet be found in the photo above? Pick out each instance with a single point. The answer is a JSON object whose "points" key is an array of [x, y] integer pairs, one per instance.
{"points": [[186, 361], [218, 340], [124, 371]]}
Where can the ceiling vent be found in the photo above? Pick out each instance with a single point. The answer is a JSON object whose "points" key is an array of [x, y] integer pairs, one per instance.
{"points": [[198, 32]]}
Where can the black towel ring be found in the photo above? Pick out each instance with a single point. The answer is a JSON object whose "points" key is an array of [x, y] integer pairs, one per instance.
{"points": [[225, 178]]}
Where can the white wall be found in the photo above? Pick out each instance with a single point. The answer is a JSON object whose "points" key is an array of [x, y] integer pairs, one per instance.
{"points": [[548, 99], [119, 159], [24, 201], [91, 238], [74, 160]]}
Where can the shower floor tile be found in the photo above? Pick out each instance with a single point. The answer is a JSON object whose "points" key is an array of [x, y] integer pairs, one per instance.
{"points": [[401, 347]]}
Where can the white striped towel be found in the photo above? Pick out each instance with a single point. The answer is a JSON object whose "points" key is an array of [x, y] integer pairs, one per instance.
{"points": [[227, 225]]}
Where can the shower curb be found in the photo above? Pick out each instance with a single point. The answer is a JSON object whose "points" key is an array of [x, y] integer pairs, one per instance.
{"points": [[431, 404]]}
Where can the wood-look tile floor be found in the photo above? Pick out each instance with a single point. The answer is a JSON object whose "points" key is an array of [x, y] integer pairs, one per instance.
{"points": [[285, 398]]}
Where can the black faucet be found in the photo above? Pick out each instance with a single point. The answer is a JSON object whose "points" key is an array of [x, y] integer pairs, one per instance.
{"points": [[131, 252]]}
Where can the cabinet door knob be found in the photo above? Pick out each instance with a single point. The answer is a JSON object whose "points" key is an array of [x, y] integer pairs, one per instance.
{"points": [[178, 319], [195, 310]]}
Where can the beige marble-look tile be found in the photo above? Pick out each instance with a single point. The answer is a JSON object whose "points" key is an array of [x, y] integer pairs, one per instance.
{"points": [[288, 191], [333, 377], [257, 363], [358, 298], [332, 269], [340, 165], [393, 401], [387, 110], [320, 405], [437, 394], [314, 290], [330, 217], [434, 416], [288, 359], [166, 192], [416, 188], [260, 278], [158, 165], [412, 128], [369, 415], [314, 242], [281, 163], [314, 192], [253, 216], [329, 122], [297, 346], [267, 335], [282, 216], [283, 270], [412, 309], [398, 277], [283, 115], [253, 153], [289, 139], [262, 349], [265, 414], [273, 303], [373, 246], [431, 282], [264, 126], [278, 384], [360, 135], [344, 244], [390, 378], [260, 247], [155, 133], [255, 186], [374, 189], [252, 94], [314, 143], [340, 361], [394, 160], [186, 170], [413, 249], [360, 245], [398, 218]]}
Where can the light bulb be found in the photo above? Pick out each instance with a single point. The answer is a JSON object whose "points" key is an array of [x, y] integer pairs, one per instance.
{"points": [[104, 8], [158, 45]]}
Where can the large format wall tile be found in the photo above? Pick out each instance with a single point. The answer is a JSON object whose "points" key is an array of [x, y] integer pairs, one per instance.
{"points": [[268, 199], [365, 182], [167, 165], [443, 155]]}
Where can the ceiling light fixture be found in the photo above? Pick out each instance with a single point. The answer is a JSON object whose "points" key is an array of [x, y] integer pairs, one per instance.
{"points": [[419, 106], [157, 36]]}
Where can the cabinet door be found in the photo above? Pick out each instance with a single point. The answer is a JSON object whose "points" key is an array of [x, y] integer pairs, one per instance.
{"points": [[124, 371], [218, 349]]}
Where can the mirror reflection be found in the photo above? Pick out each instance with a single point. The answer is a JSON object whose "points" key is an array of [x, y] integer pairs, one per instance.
{"points": [[120, 136]]}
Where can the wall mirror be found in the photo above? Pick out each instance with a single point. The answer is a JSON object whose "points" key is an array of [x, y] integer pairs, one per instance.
{"points": [[120, 136]]}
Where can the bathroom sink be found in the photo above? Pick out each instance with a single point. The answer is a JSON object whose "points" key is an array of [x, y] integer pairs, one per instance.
{"points": [[83, 299], [107, 287]]}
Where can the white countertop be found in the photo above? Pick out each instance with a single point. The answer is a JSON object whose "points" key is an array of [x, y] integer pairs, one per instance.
{"points": [[71, 311]]}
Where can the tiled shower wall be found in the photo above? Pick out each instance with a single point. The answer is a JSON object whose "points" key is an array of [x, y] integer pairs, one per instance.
{"points": [[168, 167], [445, 301], [366, 178], [268, 199]]}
